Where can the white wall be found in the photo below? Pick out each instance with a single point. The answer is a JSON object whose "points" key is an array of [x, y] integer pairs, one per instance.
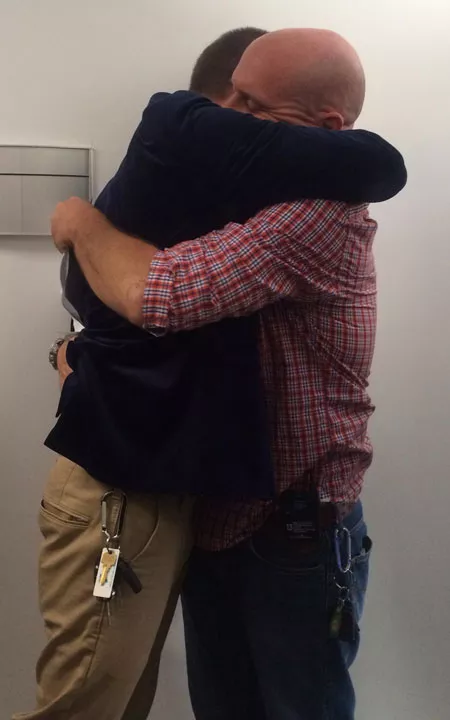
{"points": [[80, 72]]}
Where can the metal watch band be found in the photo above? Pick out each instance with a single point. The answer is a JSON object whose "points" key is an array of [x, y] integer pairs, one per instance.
{"points": [[53, 352]]}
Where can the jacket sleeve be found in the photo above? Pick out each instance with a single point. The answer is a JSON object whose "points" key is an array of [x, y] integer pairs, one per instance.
{"points": [[281, 162]]}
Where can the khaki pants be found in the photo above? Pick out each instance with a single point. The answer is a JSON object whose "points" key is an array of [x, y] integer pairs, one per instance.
{"points": [[100, 666]]}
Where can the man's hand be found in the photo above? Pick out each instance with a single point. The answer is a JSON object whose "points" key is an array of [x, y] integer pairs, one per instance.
{"points": [[114, 264], [68, 217], [64, 368]]}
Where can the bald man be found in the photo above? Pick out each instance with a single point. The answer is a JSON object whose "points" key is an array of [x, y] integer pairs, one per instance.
{"points": [[275, 590]]}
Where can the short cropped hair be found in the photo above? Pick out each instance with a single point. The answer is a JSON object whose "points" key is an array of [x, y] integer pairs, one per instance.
{"points": [[215, 67]]}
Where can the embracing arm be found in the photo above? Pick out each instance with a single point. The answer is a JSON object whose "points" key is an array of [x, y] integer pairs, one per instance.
{"points": [[279, 162], [283, 252]]}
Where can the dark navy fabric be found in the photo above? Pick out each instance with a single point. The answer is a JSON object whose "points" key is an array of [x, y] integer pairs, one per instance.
{"points": [[257, 629], [185, 412]]}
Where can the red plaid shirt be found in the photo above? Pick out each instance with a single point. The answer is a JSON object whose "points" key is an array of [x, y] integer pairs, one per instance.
{"points": [[309, 268]]}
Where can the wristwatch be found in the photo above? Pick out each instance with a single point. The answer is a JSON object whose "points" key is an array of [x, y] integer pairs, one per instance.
{"points": [[54, 350]]}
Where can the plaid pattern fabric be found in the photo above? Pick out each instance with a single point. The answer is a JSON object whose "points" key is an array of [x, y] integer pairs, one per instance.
{"points": [[308, 268]]}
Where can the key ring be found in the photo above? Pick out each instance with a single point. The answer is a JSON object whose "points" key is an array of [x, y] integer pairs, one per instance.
{"points": [[343, 592]]}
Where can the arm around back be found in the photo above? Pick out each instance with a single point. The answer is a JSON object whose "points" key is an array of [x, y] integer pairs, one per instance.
{"points": [[274, 161]]}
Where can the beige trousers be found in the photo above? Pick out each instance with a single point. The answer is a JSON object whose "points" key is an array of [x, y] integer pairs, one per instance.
{"points": [[99, 665]]}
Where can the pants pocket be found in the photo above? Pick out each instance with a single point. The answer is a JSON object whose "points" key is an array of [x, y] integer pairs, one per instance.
{"points": [[54, 513], [71, 495], [141, 526], [360, 576]]}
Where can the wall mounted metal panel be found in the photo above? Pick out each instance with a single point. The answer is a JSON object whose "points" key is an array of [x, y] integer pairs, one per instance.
{"points": [[34, 179]]}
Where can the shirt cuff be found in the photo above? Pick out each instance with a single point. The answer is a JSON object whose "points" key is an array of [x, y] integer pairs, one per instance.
{"points": [[158, 295]]}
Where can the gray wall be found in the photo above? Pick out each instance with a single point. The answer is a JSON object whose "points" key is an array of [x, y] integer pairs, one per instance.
{"points": [[81, 72]]}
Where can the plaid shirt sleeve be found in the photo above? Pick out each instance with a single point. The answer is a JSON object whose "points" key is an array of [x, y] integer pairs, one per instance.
{"points": [[287, 251]]}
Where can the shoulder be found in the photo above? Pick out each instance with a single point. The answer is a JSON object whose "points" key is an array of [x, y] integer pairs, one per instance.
{"points": [[319, 214], [173, 116], [174, 105], [289, 216]]}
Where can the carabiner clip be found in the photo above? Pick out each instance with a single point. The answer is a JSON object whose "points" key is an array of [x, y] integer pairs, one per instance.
{"points": [[344, 568], [117, 532]]}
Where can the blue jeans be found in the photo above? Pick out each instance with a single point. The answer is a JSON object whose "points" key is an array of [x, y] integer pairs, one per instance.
{"points": [[258, 631]]}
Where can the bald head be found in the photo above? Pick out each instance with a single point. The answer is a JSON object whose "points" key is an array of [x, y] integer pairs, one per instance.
{"points": [[309, 76]]}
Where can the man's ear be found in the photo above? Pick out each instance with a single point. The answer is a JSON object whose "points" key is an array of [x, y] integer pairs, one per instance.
{"points": [[331, 120]]}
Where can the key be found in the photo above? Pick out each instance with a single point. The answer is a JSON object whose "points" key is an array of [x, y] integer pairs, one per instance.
{"points": [[107, 562], [343, 624], [106, 573], [126, 572], [336, 621]]}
